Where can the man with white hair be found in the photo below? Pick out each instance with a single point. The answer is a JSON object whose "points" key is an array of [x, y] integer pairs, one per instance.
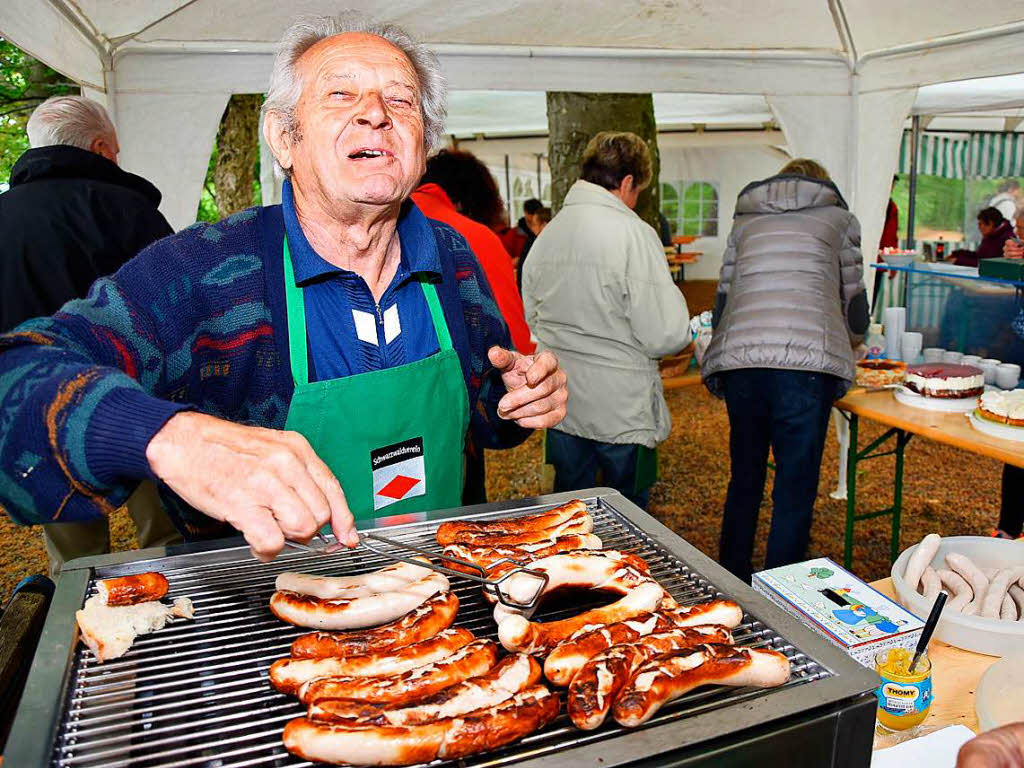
{"points": [[293, 364], [72, 216]]}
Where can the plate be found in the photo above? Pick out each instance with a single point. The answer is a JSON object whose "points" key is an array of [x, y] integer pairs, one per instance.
{"points": [[944, 404], [993, 637], [1000, 697], [1002, 431]]}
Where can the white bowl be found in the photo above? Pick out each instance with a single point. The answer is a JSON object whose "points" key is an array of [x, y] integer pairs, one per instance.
{"points": [[898, 259], [973, 633]]}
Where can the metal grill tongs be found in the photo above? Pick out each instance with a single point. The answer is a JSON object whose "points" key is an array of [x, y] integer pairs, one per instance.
{"points": [[321, 545]]}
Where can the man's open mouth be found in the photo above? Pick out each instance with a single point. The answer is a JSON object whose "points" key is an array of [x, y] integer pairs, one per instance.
{"points": [[366, 154]]}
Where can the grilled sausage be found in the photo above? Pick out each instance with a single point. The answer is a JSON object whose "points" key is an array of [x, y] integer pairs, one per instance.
{"points": [[449, 739], [422, 623], [388, 579], [357, 612], [287, 675], [449, 533], [420, 682], [131, 590], [485, 557], [581, 522], [511, 675], [664, 679], [568, 657], [598, 683], [517, 633], [604, 570]]}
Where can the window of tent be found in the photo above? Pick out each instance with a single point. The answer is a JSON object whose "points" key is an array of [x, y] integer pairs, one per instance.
{"points": [[691, 207]]}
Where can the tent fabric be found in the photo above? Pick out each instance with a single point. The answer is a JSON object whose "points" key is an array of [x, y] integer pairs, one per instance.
{"points": [[976, 155], [880, 116]]}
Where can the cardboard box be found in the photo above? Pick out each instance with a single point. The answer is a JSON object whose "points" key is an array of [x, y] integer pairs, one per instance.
{"points": [[840, 607]]}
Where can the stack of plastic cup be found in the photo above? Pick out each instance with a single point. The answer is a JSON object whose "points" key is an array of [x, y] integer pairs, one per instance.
{"points": [[895, 319]]}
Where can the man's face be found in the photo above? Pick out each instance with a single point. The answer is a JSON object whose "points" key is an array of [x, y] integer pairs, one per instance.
{"points": [[360, 128], [985, 228]]}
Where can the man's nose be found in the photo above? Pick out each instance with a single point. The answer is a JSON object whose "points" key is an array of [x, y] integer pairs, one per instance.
{"points": [[373, 111]]}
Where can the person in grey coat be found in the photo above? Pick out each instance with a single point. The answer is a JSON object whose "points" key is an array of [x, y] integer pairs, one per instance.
{"points": [[791, 306]]}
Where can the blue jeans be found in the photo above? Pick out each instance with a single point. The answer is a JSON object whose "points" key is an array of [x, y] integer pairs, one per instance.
{"points": [[577, 459], [787, 411]]}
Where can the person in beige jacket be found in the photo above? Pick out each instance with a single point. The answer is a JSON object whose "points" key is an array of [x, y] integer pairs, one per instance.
{"points": [[598, 293]]}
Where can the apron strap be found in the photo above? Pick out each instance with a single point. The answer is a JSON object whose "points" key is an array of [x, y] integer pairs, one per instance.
{"points": [[444, 339], [295, 304]]}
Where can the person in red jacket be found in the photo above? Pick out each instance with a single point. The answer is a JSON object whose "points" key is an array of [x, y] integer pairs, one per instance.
{"points": [[459, 190], [454, 188]]}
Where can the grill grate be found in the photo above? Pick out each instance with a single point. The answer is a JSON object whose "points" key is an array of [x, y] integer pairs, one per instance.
{"points": [[197, 694]]}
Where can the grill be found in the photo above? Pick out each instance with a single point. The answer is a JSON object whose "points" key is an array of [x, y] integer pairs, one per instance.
{"points": [[196, 693]]}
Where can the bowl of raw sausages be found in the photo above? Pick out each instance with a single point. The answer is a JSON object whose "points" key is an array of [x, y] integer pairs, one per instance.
{"points": [[985, 581]]}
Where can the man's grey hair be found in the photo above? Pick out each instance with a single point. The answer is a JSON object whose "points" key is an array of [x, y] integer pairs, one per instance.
{"points": [[74, 121], [286, 84]]}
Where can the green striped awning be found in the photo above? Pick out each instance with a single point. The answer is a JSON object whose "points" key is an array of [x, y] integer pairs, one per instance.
{"points": [[966, 155]]}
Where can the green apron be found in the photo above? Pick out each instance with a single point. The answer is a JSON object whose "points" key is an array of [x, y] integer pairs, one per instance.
{"points": [[394, 438]]}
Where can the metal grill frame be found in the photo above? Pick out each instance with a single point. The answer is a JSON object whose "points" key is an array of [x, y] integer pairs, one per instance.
{"points": [[41, 715]]}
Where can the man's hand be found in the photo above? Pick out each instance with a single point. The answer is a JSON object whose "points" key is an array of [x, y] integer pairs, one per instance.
{"points": [[536, 384], [268, 484], [999, 748], [1013, 250]]}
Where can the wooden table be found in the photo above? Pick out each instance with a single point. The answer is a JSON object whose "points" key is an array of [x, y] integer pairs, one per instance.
{"points": [[955, 677], [905, 421], [689, 379]]}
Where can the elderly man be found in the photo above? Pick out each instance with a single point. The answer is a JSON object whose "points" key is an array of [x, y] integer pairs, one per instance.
{"points": [[291, 365], [597, 291], [72, 216]]}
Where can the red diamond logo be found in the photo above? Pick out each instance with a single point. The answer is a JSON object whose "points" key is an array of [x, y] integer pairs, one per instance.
{"points": [[398, 487]]}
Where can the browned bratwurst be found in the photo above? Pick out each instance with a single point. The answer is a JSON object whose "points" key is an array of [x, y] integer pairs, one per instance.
{"points": [[450, 532], [469, 661], [287, 675], [450, 739], [422, 623], [131, 590], [514, 673]]}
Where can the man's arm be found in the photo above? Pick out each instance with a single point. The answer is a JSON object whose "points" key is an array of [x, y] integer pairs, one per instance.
{"points": [[725, 278], [656, 309], [855, 295], [79, 401], [83, 416]]}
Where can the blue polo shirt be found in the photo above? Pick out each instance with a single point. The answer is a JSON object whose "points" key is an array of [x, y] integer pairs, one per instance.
{"points": [[347, 332]]}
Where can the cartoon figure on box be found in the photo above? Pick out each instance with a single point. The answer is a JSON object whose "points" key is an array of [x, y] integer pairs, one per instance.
{"points": [[864, 621]]}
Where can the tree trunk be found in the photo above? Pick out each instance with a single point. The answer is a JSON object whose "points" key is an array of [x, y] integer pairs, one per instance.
{"points": [[575, 118], [237, 148]]}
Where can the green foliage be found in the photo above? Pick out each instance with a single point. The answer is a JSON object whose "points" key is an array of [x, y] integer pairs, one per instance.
{"points": [[24, 83], [939, 205]]}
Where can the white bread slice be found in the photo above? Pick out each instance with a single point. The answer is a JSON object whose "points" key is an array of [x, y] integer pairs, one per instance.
{"points": [[110, 630]]}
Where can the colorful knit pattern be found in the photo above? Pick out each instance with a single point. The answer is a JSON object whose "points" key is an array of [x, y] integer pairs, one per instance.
{"points": [[195, 322]]}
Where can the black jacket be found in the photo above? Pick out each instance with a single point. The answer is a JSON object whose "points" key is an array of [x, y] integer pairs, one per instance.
{"points": [[70, 217]]}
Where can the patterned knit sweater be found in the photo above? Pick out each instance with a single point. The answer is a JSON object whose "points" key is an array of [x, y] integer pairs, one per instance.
{"points": [[197, 321]]}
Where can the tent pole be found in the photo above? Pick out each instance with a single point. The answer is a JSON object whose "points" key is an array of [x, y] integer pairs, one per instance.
{"points": [[915, 139], [508, 192]]}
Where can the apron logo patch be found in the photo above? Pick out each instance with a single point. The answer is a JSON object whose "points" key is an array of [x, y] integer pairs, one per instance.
{"points": [[398, 472]]}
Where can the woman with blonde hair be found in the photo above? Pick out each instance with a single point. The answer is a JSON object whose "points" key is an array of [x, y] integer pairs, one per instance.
{"points": [[791, 305]]}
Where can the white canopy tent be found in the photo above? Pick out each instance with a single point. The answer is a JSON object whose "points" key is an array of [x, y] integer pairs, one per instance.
{"points": [[839, 76]]}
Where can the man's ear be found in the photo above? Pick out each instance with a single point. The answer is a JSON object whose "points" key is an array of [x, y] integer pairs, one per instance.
{"points": [[626, 185], [278, 138], [101, 146]]}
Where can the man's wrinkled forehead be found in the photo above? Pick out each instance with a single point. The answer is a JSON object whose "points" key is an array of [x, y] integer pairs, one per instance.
{"points": [[344, 55]]}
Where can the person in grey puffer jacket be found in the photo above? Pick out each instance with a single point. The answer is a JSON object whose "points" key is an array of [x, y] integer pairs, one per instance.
{"points": [[791, 306]]}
